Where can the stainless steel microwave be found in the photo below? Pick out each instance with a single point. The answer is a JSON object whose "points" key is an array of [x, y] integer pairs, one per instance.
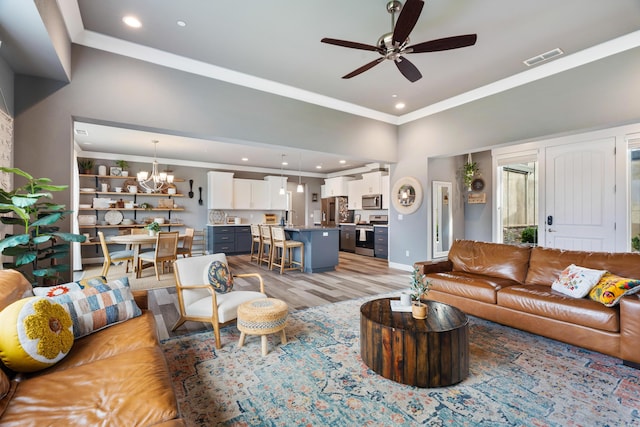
{"points": [[372, 201]]}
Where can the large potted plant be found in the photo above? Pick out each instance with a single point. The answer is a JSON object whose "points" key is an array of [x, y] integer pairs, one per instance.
{"points": [[37, 246], [419, 289]]}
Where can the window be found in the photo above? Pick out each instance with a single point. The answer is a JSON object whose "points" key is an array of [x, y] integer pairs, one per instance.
{"points": [[518, 199], [634, 195]]}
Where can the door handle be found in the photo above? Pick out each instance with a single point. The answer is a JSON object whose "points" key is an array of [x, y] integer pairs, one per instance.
{"points": [[551, 230]]}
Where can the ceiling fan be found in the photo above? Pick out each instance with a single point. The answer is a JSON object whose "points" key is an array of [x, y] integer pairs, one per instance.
{"points": [[395, 45]]}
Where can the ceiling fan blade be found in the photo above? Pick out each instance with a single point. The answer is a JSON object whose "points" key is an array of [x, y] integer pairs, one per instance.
{"points": [[407, 20], [353, 45], [363, 68], [408, 69], [443, 44]]}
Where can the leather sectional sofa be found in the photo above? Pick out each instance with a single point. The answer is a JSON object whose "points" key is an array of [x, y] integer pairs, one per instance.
{"points": [[113, 377], [511, 285]]}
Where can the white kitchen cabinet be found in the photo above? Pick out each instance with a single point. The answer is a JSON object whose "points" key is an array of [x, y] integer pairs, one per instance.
{"points": [[386, 195], [277, 201], [355, 194], [372, 183], [220, 190], [323, 191], [250, 194], [336, 186]]}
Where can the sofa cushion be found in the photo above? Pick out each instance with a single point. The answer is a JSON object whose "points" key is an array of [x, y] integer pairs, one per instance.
{"points": [[13, 286], [100, 306], [128, 389], [491, 259], [547, 263], [543, 301], [35, 334], [576, 281], [54, 291], [611, 288], [468, 285]]}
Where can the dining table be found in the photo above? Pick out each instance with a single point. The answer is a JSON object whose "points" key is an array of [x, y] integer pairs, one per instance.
{"points": [[135, 241]]}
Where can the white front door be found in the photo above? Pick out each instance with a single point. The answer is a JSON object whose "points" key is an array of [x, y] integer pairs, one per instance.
{"points": [[580, 196]]}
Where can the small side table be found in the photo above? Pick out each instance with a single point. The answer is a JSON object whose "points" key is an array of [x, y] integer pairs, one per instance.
{"points": [[262, 316]]}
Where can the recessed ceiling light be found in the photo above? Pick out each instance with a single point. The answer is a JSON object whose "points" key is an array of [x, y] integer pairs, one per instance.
{"points": [[319, 167], [394, 96], [400, 105], [245, 159], [132, 21], [181, 23], [285, 163], [342, 162]]}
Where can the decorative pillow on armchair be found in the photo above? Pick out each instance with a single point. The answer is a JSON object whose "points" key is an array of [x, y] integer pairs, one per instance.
{"points": [[611, 288], [99, 306], [219, 276], [577, 281]]}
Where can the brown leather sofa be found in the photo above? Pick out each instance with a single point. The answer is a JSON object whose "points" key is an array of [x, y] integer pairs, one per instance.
{"points": [[114, 377], [511, 285]]}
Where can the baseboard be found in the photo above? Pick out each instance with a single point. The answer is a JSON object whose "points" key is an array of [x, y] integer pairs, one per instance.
{"points": [[400, 266]]}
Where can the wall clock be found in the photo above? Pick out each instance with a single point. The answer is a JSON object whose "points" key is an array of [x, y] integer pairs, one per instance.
{"points": [[477, 184]]}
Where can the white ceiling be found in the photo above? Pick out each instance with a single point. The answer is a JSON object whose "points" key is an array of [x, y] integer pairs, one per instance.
{"points": [[275, 46]]}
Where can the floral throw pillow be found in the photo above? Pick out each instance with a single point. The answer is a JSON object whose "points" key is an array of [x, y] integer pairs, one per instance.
{"points": [[611, 288], [219, 276], [577, 281], [57, 290]]}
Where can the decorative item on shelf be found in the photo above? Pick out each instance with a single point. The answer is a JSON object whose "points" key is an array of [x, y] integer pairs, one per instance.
{"points": [[102, 170], [146, 206], [216, 217], [37, 245], [120, 204], [115, 171], [419, 288], [123, 165], [153, 228], [157, 180], [85, 166], [469, 169], [165, 203], [113, 217]]}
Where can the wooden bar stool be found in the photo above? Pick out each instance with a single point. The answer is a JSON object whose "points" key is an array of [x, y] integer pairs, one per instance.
{"points": [[265, 246], [285, 261], [256, 243]]}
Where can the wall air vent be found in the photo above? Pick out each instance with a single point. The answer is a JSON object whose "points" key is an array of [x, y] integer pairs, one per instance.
{"points": [[535, 60]]}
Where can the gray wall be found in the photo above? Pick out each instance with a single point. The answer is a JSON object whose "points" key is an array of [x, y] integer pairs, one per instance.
{"points": [[597, 95]]}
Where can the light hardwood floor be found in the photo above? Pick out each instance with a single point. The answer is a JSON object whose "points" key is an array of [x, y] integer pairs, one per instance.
{"points": [[355, 276]]}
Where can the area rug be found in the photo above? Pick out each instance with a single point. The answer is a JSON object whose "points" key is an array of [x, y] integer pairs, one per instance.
{"points": [[319, 379]]}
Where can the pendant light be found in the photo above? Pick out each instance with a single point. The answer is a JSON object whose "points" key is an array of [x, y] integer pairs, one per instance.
{"points": [[300, 187], [281, 175]]}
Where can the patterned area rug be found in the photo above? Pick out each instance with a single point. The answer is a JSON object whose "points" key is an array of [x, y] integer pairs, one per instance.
{"points": [[319, 379]]}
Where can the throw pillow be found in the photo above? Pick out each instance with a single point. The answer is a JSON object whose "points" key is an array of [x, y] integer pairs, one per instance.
{"points": [[577, 281], [611, 288], [100, 306], [54, 291], [219, 276], [36, 333]]}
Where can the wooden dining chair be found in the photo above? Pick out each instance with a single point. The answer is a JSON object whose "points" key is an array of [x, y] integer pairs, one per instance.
{"points": [[115, 257], [187, 243], [165, 251]]}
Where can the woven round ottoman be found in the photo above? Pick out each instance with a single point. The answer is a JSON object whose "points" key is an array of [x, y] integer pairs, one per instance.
{"points": [[262, 316]]}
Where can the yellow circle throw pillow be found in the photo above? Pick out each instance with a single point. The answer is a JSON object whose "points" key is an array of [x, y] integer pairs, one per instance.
{"points": [[36, 333]]}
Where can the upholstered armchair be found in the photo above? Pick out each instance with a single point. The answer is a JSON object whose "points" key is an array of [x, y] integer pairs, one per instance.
{"points": [[206, 294]]}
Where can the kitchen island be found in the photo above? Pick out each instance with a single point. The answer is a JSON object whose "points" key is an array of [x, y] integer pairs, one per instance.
{"points": [[321, 245]]}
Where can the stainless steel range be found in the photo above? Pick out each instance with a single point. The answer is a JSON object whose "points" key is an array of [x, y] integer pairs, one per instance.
{"points": [[365, 239]]}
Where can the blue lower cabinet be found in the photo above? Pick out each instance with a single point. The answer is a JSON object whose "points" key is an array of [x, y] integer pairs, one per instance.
{"points": [[381, 242], [229, 239]]}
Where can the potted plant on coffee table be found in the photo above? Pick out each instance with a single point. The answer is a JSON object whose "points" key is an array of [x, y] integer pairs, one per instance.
{"points": [[419, 289], [36, 246], [153, 228]]}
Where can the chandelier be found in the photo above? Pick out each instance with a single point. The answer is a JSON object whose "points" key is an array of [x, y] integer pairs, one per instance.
{"points": [[157, 181]]}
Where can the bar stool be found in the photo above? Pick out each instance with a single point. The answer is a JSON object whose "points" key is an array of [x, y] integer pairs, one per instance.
{"points": [[279, 241], [265, 246], [256, 243]]}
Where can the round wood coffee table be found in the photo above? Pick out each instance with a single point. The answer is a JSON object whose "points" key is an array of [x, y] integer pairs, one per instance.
{"points": [[432, 352]]}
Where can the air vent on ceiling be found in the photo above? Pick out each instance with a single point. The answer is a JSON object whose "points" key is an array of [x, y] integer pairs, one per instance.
{"points": [[81, 132], [535, 60]]}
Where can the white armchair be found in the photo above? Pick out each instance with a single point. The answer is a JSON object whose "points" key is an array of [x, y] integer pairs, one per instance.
{"points": [[197, 299]]}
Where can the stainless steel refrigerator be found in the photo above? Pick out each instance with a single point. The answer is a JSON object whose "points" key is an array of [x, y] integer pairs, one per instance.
{"points": [[334, 211]]}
